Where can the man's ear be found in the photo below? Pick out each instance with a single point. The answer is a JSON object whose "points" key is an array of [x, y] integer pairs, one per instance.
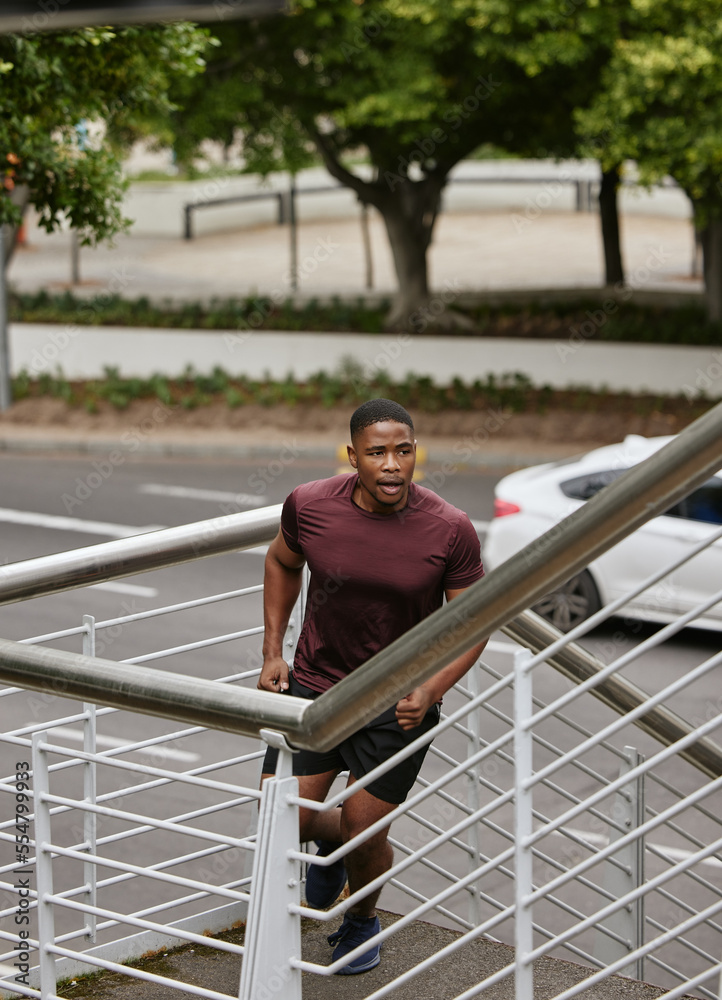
{"points": [[350, 451]]}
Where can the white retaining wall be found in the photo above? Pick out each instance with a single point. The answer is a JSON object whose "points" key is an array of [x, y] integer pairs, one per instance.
{"points": [[83, 352]]}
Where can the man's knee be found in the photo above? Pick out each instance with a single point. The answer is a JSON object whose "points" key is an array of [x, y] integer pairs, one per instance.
{"points": [[371, 845]]}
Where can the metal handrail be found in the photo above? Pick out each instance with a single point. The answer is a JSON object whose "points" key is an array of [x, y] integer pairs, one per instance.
{"points": [[579, 665], [124, 556], [639, 494], [161, 693]]}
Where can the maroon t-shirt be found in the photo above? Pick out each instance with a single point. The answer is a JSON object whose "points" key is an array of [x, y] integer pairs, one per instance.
{"points": [[373, 576]]}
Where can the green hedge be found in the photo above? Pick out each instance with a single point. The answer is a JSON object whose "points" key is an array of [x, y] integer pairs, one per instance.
{"points": [[585, 320], [346, 387]]}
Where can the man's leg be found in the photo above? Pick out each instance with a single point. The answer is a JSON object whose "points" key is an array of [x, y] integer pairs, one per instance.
{"points": [[372, 858], [315, 825]]}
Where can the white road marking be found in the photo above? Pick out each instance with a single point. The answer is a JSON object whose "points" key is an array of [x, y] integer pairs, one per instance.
{"points": [[674, 853], [60, 523], [191, 493], [106, 528], [114, 742], [132, 589]]}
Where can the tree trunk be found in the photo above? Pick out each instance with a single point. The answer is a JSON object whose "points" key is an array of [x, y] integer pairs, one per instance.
{"points": [[409, 209], [609, 217], [410, 263], [712, 251], [20, 196], [409, 212]]}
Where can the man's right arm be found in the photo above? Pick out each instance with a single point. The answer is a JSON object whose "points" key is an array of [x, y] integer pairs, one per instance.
{"points": [[281, 587]]}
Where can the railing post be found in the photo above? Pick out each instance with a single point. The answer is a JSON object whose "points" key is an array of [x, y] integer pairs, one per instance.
{"points": [[44, 862], [273, 934], [366, 237], [628, 922], [90, 819], [290, 640], [523, 825], [293, 233], [473, 796]]}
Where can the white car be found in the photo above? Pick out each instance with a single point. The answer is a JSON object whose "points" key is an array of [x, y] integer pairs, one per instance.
{"points": [[529, 502]]}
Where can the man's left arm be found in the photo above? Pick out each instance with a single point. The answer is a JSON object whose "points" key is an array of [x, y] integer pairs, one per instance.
{"points": [[411, 710]]}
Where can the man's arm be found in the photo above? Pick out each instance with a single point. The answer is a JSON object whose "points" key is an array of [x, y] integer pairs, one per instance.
{"points": [[281, 587], [411, 710]]}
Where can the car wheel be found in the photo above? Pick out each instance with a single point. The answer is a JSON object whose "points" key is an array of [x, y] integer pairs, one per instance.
{"points": [[571, 604]]}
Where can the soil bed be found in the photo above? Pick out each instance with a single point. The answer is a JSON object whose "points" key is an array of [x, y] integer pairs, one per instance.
{"points": [[607, 420]]}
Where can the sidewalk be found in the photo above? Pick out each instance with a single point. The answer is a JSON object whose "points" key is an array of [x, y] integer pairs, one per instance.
{"points": [[480, 251]]}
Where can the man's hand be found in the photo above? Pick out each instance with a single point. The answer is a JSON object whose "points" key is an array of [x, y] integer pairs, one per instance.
{"points": [[411, 710], [274, 675]]}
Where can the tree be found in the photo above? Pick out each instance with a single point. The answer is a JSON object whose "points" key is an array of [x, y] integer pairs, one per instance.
{"points": [[399, 81], [118, 80], [660, 106], [543, 36]]}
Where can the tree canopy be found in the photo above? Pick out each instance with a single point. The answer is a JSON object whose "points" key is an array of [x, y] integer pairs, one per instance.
{"points": [[53, 86], [399, 82], [659, 105], [655, 98]]}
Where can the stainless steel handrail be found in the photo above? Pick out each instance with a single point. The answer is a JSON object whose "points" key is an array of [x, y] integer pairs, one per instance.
{"points": [[644, 491], [619, 694], [124, 556], [191, 700], [639, 494]]}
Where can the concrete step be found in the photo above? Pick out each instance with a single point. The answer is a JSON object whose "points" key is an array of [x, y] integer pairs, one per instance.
{"points": [[448, 978]]}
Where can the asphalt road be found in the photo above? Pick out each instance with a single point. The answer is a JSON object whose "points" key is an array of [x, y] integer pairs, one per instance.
{"points": [[53, 504]]}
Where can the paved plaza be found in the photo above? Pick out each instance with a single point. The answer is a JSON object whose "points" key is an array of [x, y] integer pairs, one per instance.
{"points": [[471, 251]]}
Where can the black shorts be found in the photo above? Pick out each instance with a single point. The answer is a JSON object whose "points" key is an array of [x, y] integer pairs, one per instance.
{"points": [[365, 750]]}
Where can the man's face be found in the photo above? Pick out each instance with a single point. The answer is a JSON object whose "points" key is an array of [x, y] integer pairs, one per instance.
{"points": [[384, 455]]}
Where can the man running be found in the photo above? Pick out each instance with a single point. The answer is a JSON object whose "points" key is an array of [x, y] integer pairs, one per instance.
{"points": [[383, 553]]}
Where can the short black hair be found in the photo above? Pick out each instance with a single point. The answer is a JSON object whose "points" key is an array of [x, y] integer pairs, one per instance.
{"points": [[374, 411]]}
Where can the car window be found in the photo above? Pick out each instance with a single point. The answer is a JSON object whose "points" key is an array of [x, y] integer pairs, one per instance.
{"points": [[703, 504], [585, 487]]}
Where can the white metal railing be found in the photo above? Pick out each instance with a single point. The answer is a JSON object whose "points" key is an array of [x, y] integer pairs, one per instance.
{"points": [[540, 819], [592, 815]]}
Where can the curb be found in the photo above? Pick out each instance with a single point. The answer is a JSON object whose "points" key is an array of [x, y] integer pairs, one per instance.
{"points": [[187, 449]]}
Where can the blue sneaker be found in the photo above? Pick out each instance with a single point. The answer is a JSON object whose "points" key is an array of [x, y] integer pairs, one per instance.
{"points": [[353, 932], [325, 885]]}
